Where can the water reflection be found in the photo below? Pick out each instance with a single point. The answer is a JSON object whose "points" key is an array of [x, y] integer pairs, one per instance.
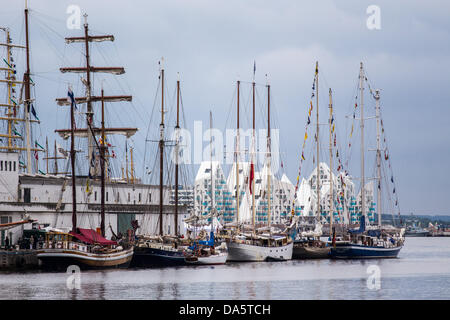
{"points": [[421, 272]]}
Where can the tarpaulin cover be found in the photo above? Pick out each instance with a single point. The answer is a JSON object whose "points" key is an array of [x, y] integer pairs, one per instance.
{"points": [[362, 226], [91, 236]]}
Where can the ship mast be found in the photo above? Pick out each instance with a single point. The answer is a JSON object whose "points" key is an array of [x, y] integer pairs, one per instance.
{"points": [[331, 164], [377, 108], [252, 166], [177, 150], [363, 195], [317, 141], [90, 132], [72, 161], [269, 172], [237, 158], [161, 154], [213, 189], [102, 168], [26, 78]]}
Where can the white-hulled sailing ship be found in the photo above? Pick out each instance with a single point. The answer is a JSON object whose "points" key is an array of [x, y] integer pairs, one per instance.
{"points": [[207, 252], [370, 241], [248, 243]]}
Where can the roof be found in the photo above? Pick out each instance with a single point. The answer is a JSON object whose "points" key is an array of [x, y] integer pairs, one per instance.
{"points": [[91, 236]]}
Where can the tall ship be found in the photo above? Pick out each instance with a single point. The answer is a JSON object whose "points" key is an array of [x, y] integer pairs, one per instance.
{"points": [[40, 186], [307, 243], [246, 241], [163, 248], [370, 241]]}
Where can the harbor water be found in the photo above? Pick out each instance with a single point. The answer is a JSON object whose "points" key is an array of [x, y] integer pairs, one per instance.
{"points": [[422, 271]]}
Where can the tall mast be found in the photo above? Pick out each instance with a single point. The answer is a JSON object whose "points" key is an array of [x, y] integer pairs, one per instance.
{"points": [[11, 104], [26, 79], [102, 168], [252, 168], [237, 157], [269, 171], [213, 189], [89, 113], [56, 161], [377, 108], [46, 151], [72, 160], [331, 163], [177, 150], [317, 141], [363, 194], [161, 154], [90, 132]]}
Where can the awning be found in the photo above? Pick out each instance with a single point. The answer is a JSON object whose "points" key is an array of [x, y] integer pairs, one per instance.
{"points": [[91, 236]]}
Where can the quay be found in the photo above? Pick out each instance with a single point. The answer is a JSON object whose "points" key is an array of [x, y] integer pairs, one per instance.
{"points": [[20, 259]]}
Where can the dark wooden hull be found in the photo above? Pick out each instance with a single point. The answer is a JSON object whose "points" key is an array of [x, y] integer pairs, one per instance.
{"points": [[152, 257], [305, 252]]}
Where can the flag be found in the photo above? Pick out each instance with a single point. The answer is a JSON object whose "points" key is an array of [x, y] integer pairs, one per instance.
{"points": [[309, 121], [254, 69], [72, 98], [306, 135], [88, 189], [303, 157], [33, 111], [61, 152], [392, 179], [36, 144], [252, 176]]}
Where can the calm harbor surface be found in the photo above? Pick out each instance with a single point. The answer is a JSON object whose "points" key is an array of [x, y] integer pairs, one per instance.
{"points": [[422, 271]]}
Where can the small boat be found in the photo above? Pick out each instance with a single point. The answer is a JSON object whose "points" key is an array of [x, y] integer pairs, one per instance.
{"points": [[415, 231], [308, 245], [310, 249], [205, 252], [86, 248], [247, 247]]}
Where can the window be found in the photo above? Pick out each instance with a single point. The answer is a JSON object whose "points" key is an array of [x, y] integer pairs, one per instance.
{"points": [[106, 196], [27, 195], [149, 197], [139, 197], [128, 197], [95, 196], [9, 165], [1, 165], [14, 166]]}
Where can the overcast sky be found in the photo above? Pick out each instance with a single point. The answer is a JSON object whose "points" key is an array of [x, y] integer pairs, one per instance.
{"points": [[213, 43]]}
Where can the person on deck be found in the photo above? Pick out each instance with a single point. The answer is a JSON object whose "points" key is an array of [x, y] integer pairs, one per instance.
{"points": [[7, 243]]}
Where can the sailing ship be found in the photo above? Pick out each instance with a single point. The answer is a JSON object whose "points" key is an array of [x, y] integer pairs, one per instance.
{"points": [[86, 247], [45, 194], [369, 241], [163, 249], [248, 243], [206, 252], [307, 244]]}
